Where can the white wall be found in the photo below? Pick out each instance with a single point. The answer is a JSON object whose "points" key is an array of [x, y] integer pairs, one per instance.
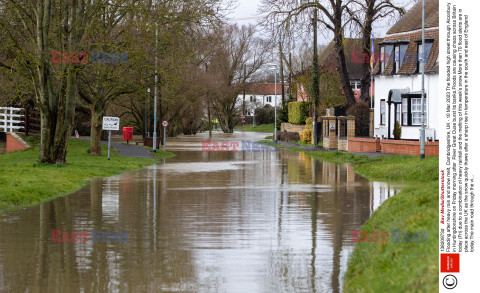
{"points": [[383, 85], [261, 100]]}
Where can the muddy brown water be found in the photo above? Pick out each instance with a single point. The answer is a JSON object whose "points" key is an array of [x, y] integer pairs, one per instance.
{"points": [[198, 222]]}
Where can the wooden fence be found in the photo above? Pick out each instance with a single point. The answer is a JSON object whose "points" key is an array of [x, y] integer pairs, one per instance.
{"points": [[19, 120]]}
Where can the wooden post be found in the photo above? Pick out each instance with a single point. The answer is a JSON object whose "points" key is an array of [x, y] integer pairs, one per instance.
{"points": [[26, 121]]}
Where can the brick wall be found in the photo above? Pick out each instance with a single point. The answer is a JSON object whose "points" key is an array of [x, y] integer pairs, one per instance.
{"points": [[342, 145], [13, 144], [292, 127], [363, 145], [406, 147]]}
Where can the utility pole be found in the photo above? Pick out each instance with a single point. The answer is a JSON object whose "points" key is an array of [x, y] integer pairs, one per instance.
{"points": [[208, 110], [146, 113], [315, 78], [155, 104], [422, 64], [244, 93]]}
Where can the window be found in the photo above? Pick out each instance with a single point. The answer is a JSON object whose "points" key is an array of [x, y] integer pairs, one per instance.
{"points": [[382, 112], [252, 99], [355, 84], [404, 111], [400, 51], [412, 109], [385, 52], [269, 99], [416, 110], [426, 54], [397, 114]]}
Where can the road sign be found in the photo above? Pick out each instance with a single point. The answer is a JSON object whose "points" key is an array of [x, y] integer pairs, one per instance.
{"points": [[165, 123], [111, 123]]}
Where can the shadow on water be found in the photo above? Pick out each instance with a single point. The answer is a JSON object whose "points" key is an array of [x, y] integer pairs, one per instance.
{"points": [[202, 221]]}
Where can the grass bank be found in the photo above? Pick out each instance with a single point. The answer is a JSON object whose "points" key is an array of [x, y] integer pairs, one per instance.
{"points": [[396, 266], [258, 128], [24, 182]]}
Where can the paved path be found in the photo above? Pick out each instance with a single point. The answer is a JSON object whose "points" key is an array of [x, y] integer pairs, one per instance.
{"points": [[312, 148], [128, 150]]}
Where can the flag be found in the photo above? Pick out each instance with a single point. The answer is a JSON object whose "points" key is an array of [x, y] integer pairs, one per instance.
{"points": [[372, 52]]}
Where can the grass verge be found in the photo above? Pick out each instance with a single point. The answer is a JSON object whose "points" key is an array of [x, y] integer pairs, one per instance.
{"points": [[396, 266], [24, 182], [258, 128]]}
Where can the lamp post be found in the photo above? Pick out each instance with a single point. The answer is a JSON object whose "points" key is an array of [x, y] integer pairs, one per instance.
{"points": [[275, 130], [155, 104], [422, 64], [146, 113]]}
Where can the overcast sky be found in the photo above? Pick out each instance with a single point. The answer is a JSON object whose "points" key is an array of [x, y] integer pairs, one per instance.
{"points": [[247, 12]]}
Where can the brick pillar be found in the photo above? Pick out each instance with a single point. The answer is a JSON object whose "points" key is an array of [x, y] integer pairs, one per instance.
{"points": [[350, 126], [332, 133], [372, 126], [330, 136]]}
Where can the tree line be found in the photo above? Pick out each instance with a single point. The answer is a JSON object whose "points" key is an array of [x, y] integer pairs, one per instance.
{"points": [[183, 51]]}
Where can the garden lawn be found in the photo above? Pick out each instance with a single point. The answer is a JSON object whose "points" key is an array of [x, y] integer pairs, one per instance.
{"points": [[24, 182], [258, 128]]}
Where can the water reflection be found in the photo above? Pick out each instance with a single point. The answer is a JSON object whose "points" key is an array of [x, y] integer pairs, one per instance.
{"points": [[236, 222]]}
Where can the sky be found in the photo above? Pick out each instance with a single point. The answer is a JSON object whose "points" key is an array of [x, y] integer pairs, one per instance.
{"points": [[246, 12]]}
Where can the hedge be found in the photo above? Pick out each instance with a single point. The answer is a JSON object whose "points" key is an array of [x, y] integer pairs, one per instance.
{"points": [[298, 112]]}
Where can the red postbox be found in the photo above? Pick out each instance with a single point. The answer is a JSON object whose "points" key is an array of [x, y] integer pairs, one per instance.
{"points": [[127, 133]]}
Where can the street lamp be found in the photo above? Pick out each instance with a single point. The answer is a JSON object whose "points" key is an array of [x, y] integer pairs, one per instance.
{"points": [[155, 103], [422, 66], [146, 113], [275, 131]]}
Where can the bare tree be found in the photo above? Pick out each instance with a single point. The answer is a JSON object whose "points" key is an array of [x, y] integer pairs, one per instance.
{"points": [[364, 13], [238, 54]]}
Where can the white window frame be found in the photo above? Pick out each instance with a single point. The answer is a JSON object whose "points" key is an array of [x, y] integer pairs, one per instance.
{"points": [[383, 111], [416, 110], [404, 117]]}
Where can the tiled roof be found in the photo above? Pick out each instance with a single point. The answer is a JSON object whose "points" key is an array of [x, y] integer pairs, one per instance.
{"points": [[353, 55], [408, 29], [412, 20], [264, 89], [409, 65]]}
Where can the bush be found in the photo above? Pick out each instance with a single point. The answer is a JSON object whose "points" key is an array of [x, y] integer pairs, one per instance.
{"points": [[397, 130], [288, 136], [298, 112], [264, 116], [306, 136], [309, 123], [360, 110]]}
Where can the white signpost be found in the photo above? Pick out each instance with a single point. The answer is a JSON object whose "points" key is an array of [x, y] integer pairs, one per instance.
{"points": [[110, 123], [164, 124]]}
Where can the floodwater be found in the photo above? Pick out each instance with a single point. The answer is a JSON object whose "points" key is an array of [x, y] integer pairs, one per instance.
{"points": [[198, 222]]}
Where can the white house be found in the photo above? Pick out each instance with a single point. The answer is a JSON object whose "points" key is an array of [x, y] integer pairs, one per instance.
{"points": [[259, 95], [398, 78]]}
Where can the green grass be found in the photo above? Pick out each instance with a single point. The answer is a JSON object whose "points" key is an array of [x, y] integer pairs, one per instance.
{"points": [[396, 266], [24, 182], [299, 142], [257, 128]]}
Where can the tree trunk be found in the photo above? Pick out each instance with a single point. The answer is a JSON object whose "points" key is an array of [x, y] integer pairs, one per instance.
{"points": [[341, 59], [96, 131], [366, 51], [57, 114], [343, 70]]}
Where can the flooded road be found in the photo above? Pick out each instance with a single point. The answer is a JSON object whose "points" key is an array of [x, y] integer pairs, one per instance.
{"points": [[198, 222]]}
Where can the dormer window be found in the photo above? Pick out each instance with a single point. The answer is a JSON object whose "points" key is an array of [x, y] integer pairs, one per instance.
{"points": [[385, 52], [400, 50], [426, 53]]}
